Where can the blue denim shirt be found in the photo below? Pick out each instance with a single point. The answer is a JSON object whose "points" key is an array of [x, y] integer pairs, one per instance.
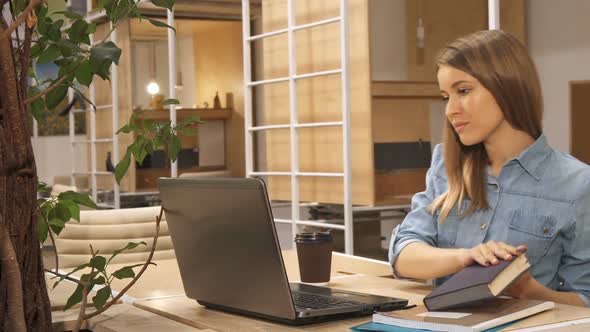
{"points": [[541, 199]]}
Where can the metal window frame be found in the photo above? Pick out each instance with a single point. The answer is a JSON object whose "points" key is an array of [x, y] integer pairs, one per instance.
{"points": [[293, 124]]}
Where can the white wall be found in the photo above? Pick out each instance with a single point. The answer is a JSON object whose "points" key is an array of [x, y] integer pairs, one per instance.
{"points": [[559, 43], [53, 156]]}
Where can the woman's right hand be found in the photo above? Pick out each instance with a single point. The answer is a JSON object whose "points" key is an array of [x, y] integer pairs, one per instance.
{"points": [[490, 253]]}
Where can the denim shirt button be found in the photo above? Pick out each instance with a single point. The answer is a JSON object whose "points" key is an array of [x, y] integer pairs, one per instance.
{"points": [[483, 226]]}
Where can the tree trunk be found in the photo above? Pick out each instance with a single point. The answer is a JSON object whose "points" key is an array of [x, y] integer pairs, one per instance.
{"points": [[18, 195]]}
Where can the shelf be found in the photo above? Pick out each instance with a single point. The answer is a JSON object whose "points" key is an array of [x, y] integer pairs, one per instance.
{"points": [[183, 113], [405, 89]]}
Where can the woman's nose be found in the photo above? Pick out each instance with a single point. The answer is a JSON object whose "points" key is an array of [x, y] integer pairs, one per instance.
{"points": [[452, 107]]}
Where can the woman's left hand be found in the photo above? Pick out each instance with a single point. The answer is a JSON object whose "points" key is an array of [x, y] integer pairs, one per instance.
{"points": [[524, 287]]}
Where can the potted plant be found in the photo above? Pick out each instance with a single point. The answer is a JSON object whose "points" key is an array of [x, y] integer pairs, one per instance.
{"points": [[32, 34]]}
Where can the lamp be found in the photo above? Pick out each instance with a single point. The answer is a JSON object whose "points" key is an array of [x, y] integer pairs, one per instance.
{"points": [[153, 88]]}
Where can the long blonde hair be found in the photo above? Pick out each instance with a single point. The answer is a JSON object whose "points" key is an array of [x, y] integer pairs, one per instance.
{"points": [[503, 66]]}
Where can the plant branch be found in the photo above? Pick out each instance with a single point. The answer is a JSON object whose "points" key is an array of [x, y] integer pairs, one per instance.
{"points": [[85, 292], [138, 275], [11, 274], [19, 20], [54, 247], [53, 85], [46, 91]]}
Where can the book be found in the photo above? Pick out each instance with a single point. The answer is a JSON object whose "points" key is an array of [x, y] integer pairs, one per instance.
{"points": [[476, 283], [484, 316], [376, 327]]}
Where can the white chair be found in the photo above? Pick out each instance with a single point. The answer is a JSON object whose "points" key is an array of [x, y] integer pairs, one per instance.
{"points": [[110, 230]]}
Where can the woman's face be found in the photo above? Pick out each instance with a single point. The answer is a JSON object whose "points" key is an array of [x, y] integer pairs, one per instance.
{"points": [[471, 109]]}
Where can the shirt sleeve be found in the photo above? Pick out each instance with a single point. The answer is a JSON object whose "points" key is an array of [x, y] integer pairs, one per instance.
{"points": [[574, 270], [419, 225]]}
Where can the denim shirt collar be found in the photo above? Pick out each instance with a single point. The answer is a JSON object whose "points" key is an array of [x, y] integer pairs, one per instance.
{"points": [[531, 159]]}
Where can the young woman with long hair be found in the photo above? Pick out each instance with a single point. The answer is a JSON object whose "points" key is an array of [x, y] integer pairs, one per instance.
{"points": [[495, 188]]}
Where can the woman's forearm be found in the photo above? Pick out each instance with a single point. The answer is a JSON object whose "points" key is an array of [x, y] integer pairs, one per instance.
{"points": [[421, 261]]}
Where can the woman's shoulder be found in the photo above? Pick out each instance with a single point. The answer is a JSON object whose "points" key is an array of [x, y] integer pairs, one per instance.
{"points": [[437, 165], [572, 172]]}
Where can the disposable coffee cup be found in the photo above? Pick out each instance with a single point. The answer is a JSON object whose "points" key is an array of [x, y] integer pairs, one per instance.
{"points": [[314, 253]]}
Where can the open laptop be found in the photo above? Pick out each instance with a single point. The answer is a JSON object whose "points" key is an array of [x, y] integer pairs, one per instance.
{"points": [[229, 257]]}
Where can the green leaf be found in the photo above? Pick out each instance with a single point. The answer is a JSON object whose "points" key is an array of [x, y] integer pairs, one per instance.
{"points": [[170, 102], [43, 25], [91, 28], [41, 11], [106, 51], [75, 298], [56, 96], [56, 225], [82, 199], [174, 148], [73, 207], [129, 246], [191, 120], [69, 14], [131, 126], [42, 187], [37, 49], [78, 268], [50, 54], [84, 73], [188, 131], [168, 4], [101, 297], [43, 228], [98, 263], [160, 24], [123, 166], [77, 32], [54, 32], [62, 212], [123, 273]]}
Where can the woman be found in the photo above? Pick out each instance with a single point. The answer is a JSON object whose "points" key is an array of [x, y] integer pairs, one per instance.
{"points": [[495, 188]]}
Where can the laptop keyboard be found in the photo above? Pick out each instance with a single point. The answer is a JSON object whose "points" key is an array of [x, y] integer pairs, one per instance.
{"points": [[313, 301]]}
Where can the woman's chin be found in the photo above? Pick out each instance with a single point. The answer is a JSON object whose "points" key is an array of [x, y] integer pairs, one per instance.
{"points": [[469, 141]]}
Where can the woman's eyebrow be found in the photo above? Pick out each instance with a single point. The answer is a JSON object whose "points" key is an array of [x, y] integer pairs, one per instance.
{"points": [[455, 84]]}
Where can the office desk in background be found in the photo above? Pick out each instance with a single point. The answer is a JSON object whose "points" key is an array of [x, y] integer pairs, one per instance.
{"points": [[160, 297]]}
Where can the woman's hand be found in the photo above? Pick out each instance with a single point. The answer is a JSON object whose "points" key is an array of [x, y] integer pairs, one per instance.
{"points": [[524, 287], [490, 253]]}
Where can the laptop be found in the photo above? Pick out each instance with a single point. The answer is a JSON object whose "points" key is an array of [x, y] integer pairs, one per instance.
{"points": [[229, 257]]}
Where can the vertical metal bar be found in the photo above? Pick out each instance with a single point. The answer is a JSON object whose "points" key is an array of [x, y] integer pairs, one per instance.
{"points": [[346, 143], [115, 122], [172, 80], [92, 112], [247, 49], [494, 14], [293, 116], [72, 134]]}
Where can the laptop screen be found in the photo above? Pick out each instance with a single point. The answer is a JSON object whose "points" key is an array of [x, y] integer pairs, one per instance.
{"points": [[226, 244]]}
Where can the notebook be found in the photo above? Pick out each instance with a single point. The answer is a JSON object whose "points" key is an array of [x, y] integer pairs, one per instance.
{"points": [[476, 283], [480, 317], [376, 327]]}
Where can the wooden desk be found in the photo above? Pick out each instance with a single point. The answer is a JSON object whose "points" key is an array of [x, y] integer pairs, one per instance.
{"points": [[164, 279], [188, 311]]}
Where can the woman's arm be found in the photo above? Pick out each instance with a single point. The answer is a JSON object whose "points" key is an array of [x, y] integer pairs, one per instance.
{"points": [[529, 288], [421, 261]]}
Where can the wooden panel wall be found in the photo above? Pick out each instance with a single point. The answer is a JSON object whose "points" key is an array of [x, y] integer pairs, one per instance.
{"points": [[444, 21], [579, 120], [319, 99], [219, 68]]}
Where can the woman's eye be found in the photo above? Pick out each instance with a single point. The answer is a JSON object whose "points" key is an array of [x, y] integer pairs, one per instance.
{"points": [[463, 91]]}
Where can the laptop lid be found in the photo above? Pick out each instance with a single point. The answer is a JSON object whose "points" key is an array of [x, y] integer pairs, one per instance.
{"points": [[227, 250]]}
